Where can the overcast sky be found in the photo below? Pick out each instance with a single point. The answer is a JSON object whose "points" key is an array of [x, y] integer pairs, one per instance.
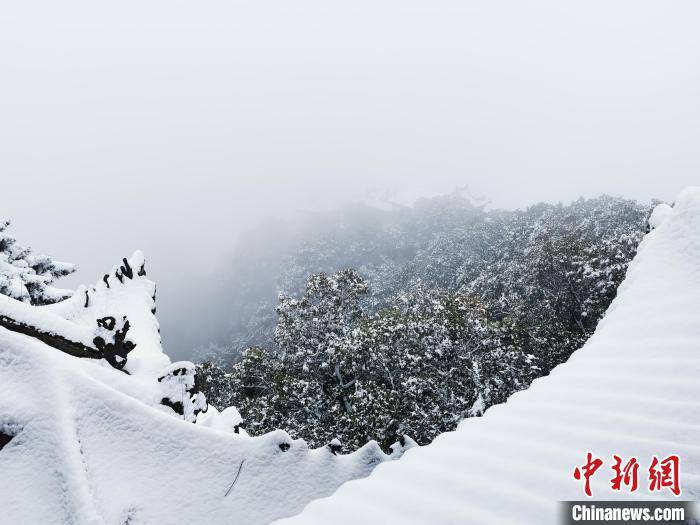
{"points": [[169, 125]]}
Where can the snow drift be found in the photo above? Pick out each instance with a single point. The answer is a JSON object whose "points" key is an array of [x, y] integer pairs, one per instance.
{"points": [[83, 442], [632, 390]]}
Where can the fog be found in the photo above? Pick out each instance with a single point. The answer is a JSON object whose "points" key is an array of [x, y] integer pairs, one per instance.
{"points": [[173, 126]]}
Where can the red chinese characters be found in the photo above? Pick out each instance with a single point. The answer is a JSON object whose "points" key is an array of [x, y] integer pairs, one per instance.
{"points": [[586, 471], [627, 475], [665, 473]]}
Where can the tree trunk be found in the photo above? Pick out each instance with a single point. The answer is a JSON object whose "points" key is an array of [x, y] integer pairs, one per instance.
{"points": [[114, 351], [53, 340]]}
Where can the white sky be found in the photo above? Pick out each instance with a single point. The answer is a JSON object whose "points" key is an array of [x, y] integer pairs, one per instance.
{"points": [[167, 125]]}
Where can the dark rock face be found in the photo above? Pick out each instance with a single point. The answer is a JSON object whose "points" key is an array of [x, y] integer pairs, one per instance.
{"points": [[4, 439]]}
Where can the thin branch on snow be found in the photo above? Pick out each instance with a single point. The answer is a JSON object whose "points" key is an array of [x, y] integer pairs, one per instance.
{"points": [[240, 467]]}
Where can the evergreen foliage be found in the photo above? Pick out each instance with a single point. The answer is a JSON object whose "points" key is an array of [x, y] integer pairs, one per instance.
{"points": [[449, 309], [29, 277]]}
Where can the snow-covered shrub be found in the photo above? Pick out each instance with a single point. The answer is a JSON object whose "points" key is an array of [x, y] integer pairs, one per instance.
{"points": [[28, 277], [177, 384]]}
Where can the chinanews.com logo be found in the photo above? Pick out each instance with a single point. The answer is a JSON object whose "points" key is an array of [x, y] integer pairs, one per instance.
{"points": [[657, 476]]}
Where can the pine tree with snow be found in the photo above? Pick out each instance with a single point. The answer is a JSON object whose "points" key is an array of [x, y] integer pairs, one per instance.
{"points": [[417, 363], [467, 307], [216, 383], [29, 277], [311, 336]]}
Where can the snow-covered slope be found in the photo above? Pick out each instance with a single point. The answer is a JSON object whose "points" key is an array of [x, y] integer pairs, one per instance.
{"points": [[91, 444], [632, 390]]}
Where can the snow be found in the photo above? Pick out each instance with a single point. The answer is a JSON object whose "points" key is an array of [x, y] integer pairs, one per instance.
{"points": [[228, 420], [662, 212], [26, 276], [177, 385], [118, 295], [46, 320], [477, 408], [632, 390], [92, 445]]}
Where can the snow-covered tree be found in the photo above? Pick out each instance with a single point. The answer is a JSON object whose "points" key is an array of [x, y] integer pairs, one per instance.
{"points": [[28, 277], [217, 382], [312, 335], [466, 307]]}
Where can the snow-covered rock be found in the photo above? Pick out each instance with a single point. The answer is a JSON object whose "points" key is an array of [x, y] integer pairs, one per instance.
{"points": [[124, 292], [228, 420], [84, 443], [632, 390], [662, 212]]}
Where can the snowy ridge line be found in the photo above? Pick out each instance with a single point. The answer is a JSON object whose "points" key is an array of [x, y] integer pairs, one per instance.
{"points": [[91, 445], [631, 390]]}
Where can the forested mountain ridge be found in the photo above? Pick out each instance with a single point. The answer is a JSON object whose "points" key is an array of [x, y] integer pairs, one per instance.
{"points": [[403, 322]]}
